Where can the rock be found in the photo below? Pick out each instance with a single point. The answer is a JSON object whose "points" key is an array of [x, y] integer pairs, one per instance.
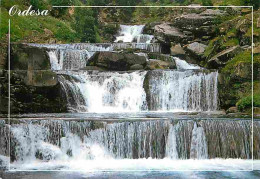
{"points": [[159, 64], [196, 48], [149, 27], [116, 61], [192, 21], [177, 50], [194, 8], [243, 25], [213, 12], [243, 71], [233, 10], [199, 24], [223, 57], [258, 23], [36, 92], [246, 10], [221, 78], [93, 68], [133, 59], [159, 56], [48, 32], [2, 73], [52, 41], [25, 57], [136, 67], [166, 33], [232, 110], [41, 78], [3, 104], [257, 49], [256, 111]]}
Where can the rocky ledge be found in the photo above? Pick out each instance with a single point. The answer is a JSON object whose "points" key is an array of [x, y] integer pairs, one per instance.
{"points": [[116, 61]]}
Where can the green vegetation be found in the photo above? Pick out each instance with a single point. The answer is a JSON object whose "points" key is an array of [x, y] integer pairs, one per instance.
{"points": [[85, 25], [33, 29], [246, 102], [243, 57]]}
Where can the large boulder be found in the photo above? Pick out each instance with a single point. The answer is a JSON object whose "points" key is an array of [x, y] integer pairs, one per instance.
{"points": [[213, 12], [93, 68], [36, 92], [177, 50], [199, 24], [136, 67], [25, 57], [223, 57], [166, 33], [196, 49], [116, 61]]}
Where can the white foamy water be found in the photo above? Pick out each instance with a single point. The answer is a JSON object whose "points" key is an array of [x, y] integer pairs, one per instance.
{"points": [[129, 32], [69, 59], [199, 148], [147, 145], [124, 92], [105, 92], [183, 65], [144, 38], [183, 91], [138, 165], [171, 145], [4, 162]]}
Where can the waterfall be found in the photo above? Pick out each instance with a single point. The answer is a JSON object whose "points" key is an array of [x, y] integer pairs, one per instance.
{"points": [[125, 92], [129, 32], [56, 64], [171, 145], [183, 65], [199, 147], [144, 38], [89, 140], [150, 47], [68, 59], [104, 91], [182, 90], [133, 33]]}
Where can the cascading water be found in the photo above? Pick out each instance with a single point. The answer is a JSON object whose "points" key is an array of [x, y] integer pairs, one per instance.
{"points": [[199, 147], [182, 90], [129, 92], [131, 33], [104, 142], [104, 91], [183, 65], [63, 142], [68, 59]]}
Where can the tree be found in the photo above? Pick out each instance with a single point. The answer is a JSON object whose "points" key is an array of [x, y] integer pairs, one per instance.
{"points": [[85, 25], [36, 4], [59, 11], [207, 3]]}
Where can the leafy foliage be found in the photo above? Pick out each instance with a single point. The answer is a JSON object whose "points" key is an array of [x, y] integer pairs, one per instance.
{"points": [[85, 25], [59, 11], [246, 102]]}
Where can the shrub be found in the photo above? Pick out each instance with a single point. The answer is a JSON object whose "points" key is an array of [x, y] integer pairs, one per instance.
{"points": [[246, 102], [85, 25]]}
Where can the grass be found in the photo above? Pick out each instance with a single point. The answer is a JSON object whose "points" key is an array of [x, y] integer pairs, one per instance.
{"points": [[32, 29], [243, 57]]}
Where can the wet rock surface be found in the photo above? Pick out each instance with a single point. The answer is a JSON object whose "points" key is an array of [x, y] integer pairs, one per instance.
{"points": [[24, 57], [116, 61]]}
